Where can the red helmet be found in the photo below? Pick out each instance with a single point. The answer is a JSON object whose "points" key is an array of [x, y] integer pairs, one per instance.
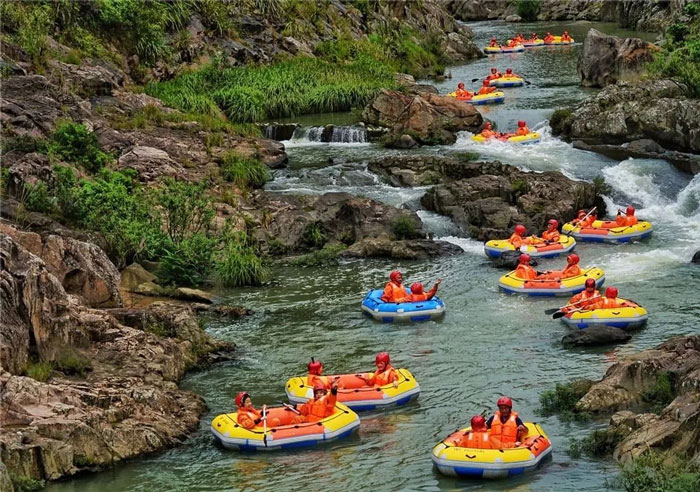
{"points": [[319, 386], [630, 210], [509, 70], [460, 85], [382, 357], [395, 275], [521, 123], [590, 283], [240, 398], [478, 422], [573, 259], [494, 70], [315, 367], [524, 259], [504, 400], [566, 32], [581, 213], [417, 288], [493, 39], [520, 229], [553, 222], [487, 125], [611, 292], [548, 33], [534, 34], [485, 83]]}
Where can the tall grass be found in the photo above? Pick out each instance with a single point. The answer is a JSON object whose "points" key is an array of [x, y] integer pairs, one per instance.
{"points": [[238, 264], [244, 172], [294, 87]]}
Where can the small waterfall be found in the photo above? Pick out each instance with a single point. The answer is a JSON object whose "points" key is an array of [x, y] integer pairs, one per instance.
{"points": [[279, 131], [331, 134]]}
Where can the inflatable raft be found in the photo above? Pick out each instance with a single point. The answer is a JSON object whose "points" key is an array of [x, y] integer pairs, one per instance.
{"points": [[532, 137], [231, 435], [533, 44], [356, 395], [514, 49], [456, 461], [496, 247], [492, 49], [507, 82], [557, 40], [511, 284], [480, 100], [388, 312], [609, 232], [629, 317]]}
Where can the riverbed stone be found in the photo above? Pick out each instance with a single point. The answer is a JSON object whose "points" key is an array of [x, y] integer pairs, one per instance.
{"points": [[416, 249], [596, 335], [696, 257], [135, 275]]}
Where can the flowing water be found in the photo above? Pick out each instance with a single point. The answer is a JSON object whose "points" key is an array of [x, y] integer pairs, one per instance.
{"points": [[488, 344]]}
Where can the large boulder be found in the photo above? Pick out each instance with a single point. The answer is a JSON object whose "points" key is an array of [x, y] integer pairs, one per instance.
{"points": [[417, 249], [596, 335], [606, 59], [486, 199], [653, 109], [429, 118], [696, 257]]}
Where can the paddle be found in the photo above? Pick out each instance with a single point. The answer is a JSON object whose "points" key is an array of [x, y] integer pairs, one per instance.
{"points": [[264, 419], [289, 407], [556, 311]]}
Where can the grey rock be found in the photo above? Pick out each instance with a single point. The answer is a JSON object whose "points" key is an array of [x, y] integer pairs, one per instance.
{"points": [[596, 335]]}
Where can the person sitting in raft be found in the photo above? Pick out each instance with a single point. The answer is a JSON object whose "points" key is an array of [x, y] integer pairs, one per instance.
{"points": [[394, 290], [522, 128], [524, 270], [583, 221], [385, 374], [519, 38], [315, 375], [609, 301], [322, 405], [551, 235], [572, 269], [495, 74], [512, 43], [534, 37], [487, 131], [579, 216], [494, 43], [417, 294], [485, 88], [548, 38], [478, 437], [585, 298], [248, 416], [516, 239], [461, 93], [628, 219], [507, 430], [566, 37], [509, 73]]}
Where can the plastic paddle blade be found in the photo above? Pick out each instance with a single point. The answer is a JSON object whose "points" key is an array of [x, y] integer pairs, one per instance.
{"points": [[558, 314], [551, 311]]}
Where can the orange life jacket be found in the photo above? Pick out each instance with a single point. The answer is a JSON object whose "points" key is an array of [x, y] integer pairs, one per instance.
{"points": [[394, 292], [315, 410], [247, 416], [504, 434], [486, 90], [583, 299], [312, 379], [630, 220], [607, 303], [522, 130], [463, 94], [382, 378], [587, 221], [488, 133], [515, 240], [549, 38], [494, 76], [426, 296], [571, 271], [476, 440], [525, 272], [551, 235], [493, 44]]}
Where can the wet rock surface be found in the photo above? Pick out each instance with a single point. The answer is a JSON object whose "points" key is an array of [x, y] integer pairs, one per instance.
{"points": [[486, 199], [606, 59], [417, 249], [596, 335]]}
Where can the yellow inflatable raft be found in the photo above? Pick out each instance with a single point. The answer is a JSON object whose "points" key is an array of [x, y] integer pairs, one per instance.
{"points": [[533, 43], [354, 392], [557, 40], [496, 247], [492, 463], [532, 137], [602, 231], [231, 435], [631, 316], [507, 82], [492, 49], [511, 284], [492, 98]]}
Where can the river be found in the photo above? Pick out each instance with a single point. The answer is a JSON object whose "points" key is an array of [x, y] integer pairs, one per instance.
{"points": [[487, 345]]}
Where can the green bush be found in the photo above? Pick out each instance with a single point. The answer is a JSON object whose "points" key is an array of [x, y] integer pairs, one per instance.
{"points": [[27, 484], [323, 257], [655, 472], [36, 197], [244, 172], [560, 121], [598, 444], [662, 392], [74, 143], [692, 9], [528, 9], [677, 31], [314, 235], [562, 400], [187, 262], [40, 371], [405, 228], [601, 187], [25, 144], [72, 363], [64, 189], [239, 265], [185, 208]]}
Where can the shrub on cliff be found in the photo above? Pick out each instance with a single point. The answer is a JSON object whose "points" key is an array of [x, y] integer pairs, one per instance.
{"points": [[244, 172], [528, 9], [238, 264], [74, 143], [653, 471]]}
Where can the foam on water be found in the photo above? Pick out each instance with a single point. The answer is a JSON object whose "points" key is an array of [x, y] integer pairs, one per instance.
{"points": [[469, 245]]}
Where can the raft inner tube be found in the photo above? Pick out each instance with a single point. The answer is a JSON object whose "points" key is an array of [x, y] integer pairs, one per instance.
{"points": [[597, 233], [232, 435], [507, 82], [630, 316], [511, 284], [356, 394], [532, 137], [387, 312], [512, 49], [457, 461], [496, 247]]}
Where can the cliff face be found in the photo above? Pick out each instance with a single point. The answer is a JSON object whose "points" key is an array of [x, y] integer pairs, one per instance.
{"points": [[642, 15]]}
